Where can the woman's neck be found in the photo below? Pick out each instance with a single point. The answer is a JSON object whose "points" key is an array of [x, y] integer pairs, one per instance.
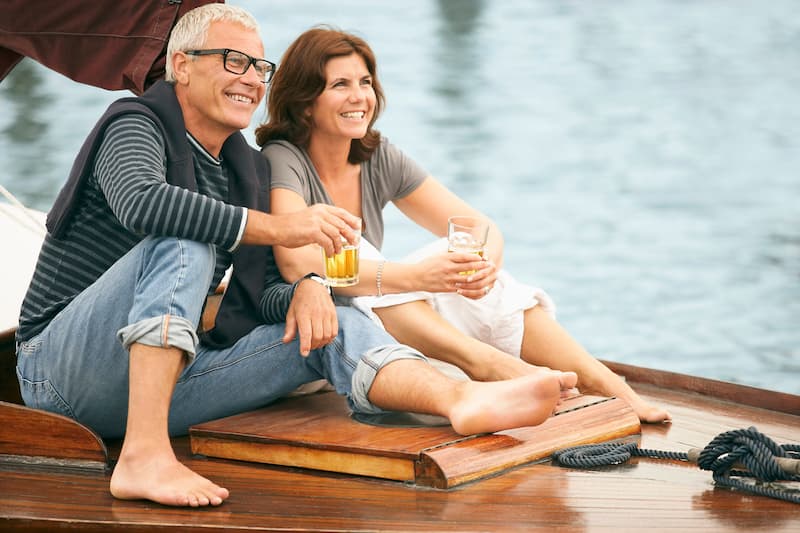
{"points": [[330, 158], [340, 178]]}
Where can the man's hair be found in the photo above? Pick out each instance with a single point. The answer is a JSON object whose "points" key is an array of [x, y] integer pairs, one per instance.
{"points": [[191, 31], [300, 79]]}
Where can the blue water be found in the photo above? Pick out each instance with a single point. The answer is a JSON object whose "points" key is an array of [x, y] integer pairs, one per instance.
{"points": [[641, 157]]}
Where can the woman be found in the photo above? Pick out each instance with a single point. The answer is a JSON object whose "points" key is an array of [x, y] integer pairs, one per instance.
{"points": [[322, 147]]}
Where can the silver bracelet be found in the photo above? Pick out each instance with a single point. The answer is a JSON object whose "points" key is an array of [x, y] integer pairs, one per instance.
{"points": [[379, 276]]}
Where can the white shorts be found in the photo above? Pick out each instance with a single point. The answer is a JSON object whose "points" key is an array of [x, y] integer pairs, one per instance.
{"points": [[496, 319]]}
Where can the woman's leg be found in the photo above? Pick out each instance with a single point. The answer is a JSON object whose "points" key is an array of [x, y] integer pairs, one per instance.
{"points": [[546, 343], [418, 325]]}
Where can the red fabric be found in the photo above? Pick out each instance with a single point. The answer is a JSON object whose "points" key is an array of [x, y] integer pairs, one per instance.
{"points": [[114, 45]]}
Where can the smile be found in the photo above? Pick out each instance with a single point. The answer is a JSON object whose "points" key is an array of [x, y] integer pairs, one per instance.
{"points": [[354, 114], [240, 98]]}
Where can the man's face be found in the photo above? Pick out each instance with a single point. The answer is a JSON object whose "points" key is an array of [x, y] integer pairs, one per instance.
{"points": [[215, 102]]}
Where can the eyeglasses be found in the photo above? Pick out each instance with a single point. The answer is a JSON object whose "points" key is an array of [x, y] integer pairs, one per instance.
{"points": [[237, 62]]}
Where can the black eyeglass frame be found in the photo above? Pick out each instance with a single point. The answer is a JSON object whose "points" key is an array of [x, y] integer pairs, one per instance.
{"points": [[224, 53]]}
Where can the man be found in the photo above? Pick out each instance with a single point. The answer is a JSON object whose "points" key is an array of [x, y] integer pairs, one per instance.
{"points": [[163, 196]]}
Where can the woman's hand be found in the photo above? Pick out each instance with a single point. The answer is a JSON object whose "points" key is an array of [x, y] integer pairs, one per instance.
{"points": [[464, 273]]}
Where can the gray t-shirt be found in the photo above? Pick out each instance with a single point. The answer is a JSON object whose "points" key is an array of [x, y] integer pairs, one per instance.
{"points": [[387, 176]]}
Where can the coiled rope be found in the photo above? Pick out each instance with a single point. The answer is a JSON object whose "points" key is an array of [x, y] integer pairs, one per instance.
{"points": [[731, 455]]}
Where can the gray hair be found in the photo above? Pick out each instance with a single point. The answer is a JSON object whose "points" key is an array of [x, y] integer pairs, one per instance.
{"points": [[191, 31]]}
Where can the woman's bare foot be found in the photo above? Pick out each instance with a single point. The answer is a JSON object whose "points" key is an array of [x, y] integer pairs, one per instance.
{"points": [[647, 412], [486, 407], [616, 386], [163, 479]]}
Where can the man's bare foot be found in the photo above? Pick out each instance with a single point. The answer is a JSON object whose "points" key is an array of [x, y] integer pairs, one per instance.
{"points": [[486, 407], [163, 479]]}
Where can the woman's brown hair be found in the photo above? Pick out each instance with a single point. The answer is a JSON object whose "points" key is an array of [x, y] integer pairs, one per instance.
{"points": [[300, 78]]}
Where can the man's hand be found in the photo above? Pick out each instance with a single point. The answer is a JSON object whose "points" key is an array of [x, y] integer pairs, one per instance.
{"points": [[312, 315], [320, 224]]}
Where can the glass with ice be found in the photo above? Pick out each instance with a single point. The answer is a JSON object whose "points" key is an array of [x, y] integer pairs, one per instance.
{"points": [[467, 234]]}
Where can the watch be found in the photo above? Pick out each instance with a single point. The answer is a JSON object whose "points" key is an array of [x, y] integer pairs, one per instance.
{"points": [[319, 279]]}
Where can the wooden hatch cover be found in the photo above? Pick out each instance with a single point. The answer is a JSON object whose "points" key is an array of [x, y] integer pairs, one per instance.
{"points": [[317, 432]]}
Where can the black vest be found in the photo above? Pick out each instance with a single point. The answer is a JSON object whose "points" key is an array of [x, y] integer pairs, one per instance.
{"points": [[248, 187]]}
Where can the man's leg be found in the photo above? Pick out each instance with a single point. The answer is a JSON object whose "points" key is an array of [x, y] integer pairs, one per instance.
{"points": [[78, 367], [151, 298], [147, 467], [391, 376], [170, 290], [471, 406]]}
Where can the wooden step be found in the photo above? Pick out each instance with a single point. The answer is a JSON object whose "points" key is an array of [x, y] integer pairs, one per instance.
{"points": [[317, 432]]}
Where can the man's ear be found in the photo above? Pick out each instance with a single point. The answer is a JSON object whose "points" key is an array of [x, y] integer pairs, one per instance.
{"points": [[180, 67]]}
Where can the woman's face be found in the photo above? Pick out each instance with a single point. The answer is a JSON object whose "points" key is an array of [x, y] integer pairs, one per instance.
{"points": [[346, 105]]}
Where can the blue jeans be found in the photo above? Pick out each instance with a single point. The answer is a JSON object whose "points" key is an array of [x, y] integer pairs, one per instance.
{"points": [[78, 366]]}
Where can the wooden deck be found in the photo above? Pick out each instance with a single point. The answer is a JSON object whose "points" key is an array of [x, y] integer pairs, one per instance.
{"points": [[317, 431], [643, 494]]}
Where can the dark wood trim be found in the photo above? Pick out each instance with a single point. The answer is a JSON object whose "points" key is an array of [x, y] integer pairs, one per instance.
{"points": [[35, 437], [721, 390], [9, 386]]}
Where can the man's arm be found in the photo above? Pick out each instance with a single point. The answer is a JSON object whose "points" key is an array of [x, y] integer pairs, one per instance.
{"points": [[130, 171], [321, 224], [305, 305]]}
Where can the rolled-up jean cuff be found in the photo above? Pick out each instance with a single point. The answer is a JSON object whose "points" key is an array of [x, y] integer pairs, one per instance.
{"points": [[164, 331], [366, 370]]}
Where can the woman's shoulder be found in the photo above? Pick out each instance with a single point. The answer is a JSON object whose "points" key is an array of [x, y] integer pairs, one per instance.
{"points": [[386, 153], [280, 147], [281, 153]]}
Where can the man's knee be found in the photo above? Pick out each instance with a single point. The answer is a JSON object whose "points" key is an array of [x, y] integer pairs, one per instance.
{"points": [[169, 294], [183, 253]]}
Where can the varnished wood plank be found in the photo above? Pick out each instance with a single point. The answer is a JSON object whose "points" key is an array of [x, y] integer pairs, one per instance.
{"points": [[322, 421], [448, 466], [316, 432], [32, 435], [363, 464]]}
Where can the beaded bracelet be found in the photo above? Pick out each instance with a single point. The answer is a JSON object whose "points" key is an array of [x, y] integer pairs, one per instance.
{"points": [[378, 276]]}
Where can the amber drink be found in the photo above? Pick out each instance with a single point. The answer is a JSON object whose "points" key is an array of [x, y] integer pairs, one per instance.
{"points": [[341, 270]]}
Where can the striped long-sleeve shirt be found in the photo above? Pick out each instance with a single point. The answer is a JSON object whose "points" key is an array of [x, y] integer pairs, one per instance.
{"points": [[126, 199]]}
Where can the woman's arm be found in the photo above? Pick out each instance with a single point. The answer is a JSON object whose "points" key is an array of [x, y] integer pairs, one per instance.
{"points": [[295, 263], [435, 274], [431, 204]]}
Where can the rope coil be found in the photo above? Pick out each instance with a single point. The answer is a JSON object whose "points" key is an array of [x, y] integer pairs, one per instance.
{"points": [[738, 453]]}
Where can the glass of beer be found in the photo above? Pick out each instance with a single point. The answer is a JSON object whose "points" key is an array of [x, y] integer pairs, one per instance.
{"points": [[467, 234], [341, 270]]}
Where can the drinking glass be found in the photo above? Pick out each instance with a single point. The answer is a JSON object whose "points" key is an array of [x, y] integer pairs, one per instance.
{"points": [[467, 234], [341, 270]]}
